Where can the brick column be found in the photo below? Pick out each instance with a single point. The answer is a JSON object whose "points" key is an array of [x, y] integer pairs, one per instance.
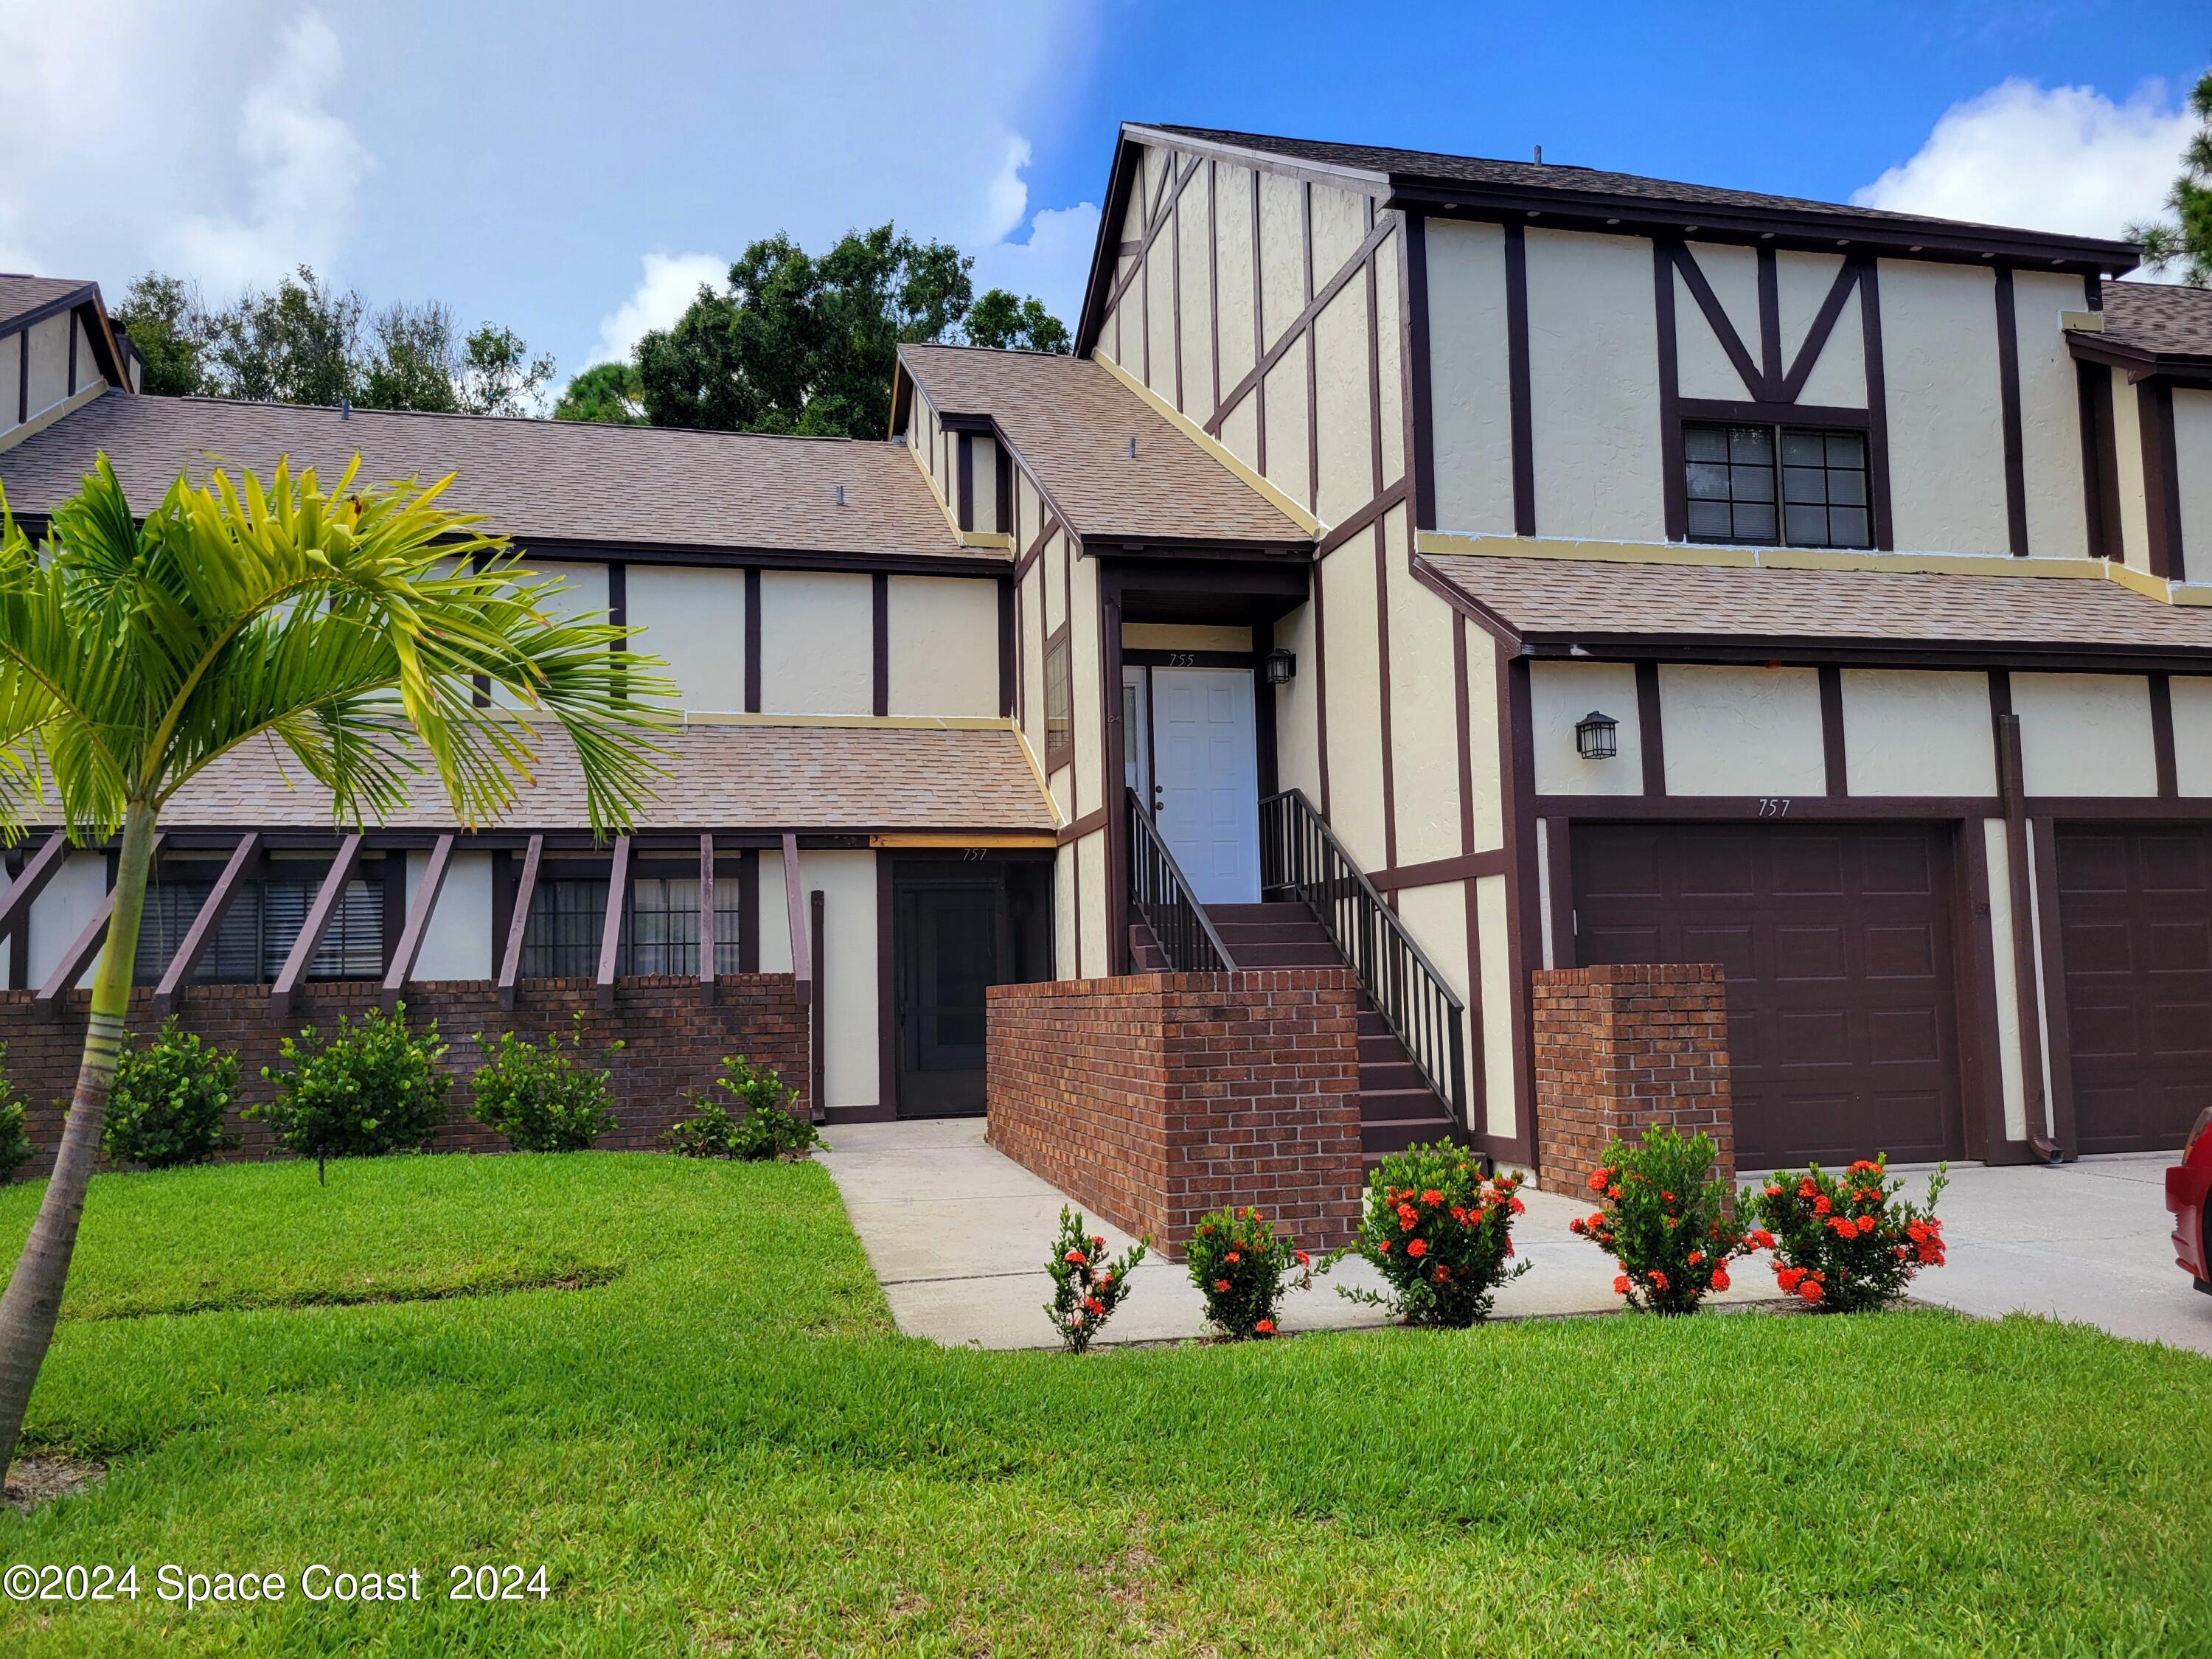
{"points": [[1621, 1048]]}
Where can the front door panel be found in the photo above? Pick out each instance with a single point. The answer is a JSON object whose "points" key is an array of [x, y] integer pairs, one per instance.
{"points": [[951, 946], [1205, 758]]}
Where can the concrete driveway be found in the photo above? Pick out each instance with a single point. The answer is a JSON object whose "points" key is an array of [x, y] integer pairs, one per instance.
{"points": [[2089, 1242], [958, 1236]]}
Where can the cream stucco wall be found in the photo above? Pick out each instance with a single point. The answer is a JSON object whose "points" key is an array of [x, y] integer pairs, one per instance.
{"points": [[943, 645], [1028, 619], [1233, 271], [1343, 398], [59, 913], [1389, 358], [1802, 282], [2085, 734], [2127, 448], [1742, 731], [1470, 405], [1499, 1114], [1282, 253], [1915, 732], [2050, 416], [11, 349], [1946, 427], [457, 944], [2192, 696], [2010, 1072], [50, 354], [695, 617], [1083, 662], [1437, 918], [818, 643], [1288, 459], [2192, 457], [851, 1072], [1339, 225], [1195, 394], [1158, 284], [582, 596], [1424, 710], [1064, 964], [1702, 364], [1485, 738], [1559, 694], [1593, 386], [1355, 708], [1091, 861], [1240, 429], [1298, 755]]}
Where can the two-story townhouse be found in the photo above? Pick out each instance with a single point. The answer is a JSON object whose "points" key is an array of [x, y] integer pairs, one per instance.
{"points": [[1522, 566]]}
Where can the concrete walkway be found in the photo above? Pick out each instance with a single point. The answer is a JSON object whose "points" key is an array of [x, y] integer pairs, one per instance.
{"points": [[959, 1233]]}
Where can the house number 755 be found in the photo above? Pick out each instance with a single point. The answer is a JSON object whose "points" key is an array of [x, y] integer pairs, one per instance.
{"points": [[1773, 806]]}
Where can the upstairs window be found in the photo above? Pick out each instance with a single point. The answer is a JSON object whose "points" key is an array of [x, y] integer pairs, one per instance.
{"points": [[1059, 703], [1793, 486]]}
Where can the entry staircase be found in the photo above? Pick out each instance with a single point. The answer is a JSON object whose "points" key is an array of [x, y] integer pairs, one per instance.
{"points": [[1324, 914]]}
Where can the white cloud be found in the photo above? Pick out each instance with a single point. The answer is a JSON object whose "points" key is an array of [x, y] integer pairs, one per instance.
{"points": [[2064, 159], [1006, 203], [665, 286], [1054, 264], [304, 166]]}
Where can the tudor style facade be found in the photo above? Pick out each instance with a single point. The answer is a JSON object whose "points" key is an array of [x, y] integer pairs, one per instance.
{"points": [[1375, 475]]}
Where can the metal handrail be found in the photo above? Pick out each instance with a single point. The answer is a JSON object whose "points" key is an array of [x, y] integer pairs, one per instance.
{"points": [[1299, 853], [1162, 896]]}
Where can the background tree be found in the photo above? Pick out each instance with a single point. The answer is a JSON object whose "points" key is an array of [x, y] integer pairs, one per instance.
{"points": [[170, 325], [607, 392], [1004, 323], [297, 343], [2187, 240], [799, 344], [350, 626]]}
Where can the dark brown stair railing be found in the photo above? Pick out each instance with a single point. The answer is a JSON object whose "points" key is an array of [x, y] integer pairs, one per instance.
{"points": [[1186, 933], [1300, 854]]}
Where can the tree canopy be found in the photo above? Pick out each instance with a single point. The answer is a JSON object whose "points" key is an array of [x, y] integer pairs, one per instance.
{"points": [[2187, 240], [607, 392], [306, 342], [796, 343]]}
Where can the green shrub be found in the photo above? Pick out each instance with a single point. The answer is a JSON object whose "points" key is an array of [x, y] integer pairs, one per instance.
{"points": [[1440, 1233], [539, 1098], [1086, 1287], [374, 1088], [1240, 1264], [168, 1104], [1845, 1243], [763, 1125], [1666, 1218], [14, 1145]]}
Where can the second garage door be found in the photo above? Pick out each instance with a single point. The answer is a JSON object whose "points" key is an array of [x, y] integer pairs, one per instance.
{"points": [[1836, 939]]}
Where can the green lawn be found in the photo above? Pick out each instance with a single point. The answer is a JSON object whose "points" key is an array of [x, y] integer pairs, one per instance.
{"points": [[676, 1386]]}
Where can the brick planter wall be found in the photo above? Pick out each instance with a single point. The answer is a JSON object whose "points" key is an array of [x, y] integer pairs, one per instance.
{"points": [[1618, 1049], [1154, 1098], [672, 1040]]}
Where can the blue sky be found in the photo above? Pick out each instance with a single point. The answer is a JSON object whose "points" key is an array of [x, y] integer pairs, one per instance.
{"points": [[576, 169]]}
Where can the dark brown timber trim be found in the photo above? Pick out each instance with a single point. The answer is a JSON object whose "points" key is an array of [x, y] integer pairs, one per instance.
{"points": [[887, 1025], [1770, 320], [749, 911], [2100, 473], [1650, 728], [1009, 651], [2059, 1028], [1321, 682], [752, 641], [817, 1008], [1361, 520], [2015, 466], [1559, 869], [1382, 676], [1877, 386], [1754, 379], [1672, 483], [86, 945], [794, 919], [880, 631], [1816, 336], [1270, 355], [1421, 444], [15, 906], [1831, 730], [2021, 880], [2161, 736], [1213, 279], [1517, 747], [518, 925], [182, 966], [2161, 480], [1519, 394]]}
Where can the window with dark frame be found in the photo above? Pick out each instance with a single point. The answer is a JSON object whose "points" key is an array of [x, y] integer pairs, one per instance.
{"points": [[660, 934], [1791, 486], [260, 928], [1058, 702]]}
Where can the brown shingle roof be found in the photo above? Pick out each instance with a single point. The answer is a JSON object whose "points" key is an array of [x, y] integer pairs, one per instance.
{"points": [[722, 777], [1546, 601], [2153, 317], [1069, 422], [1396, 169], [549, 480], [20, 296]]}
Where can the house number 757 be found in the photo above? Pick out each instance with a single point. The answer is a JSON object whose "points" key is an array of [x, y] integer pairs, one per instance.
{"points": [[1774, 806]]}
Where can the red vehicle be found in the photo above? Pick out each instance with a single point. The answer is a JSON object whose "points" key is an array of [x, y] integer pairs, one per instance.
{"points": [[2187, 1184]]}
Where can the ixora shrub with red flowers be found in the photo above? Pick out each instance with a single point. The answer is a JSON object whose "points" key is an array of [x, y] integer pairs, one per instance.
{"points": [[1666, 1219], [1086, 1287], [1846, 1242], [1440, 1233], [1242, 1266]]}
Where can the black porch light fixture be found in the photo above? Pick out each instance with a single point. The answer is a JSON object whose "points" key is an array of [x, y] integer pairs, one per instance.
{"points": [[1597, 736], [1281, 666]]}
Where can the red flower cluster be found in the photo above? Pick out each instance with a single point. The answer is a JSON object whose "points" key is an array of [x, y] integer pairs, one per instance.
{"points": [[1440, 1233], [1243, 1266], [1846, 1242], [1086, 1288], [1666, 1220]]}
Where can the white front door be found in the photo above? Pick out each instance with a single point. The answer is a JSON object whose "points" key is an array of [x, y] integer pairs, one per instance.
{"points": [[1206, 762]]}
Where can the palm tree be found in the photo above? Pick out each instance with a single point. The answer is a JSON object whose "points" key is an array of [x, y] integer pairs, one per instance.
{"points": [[351, 628]]}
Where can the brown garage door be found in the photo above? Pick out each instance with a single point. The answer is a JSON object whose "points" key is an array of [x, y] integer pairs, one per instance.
{"points": [[2136, 905], [1837, 942]]}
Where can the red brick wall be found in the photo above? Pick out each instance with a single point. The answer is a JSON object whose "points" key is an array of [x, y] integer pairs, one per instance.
{"points": [[1618, 1049], [1154, 1098], [673, 1042]]}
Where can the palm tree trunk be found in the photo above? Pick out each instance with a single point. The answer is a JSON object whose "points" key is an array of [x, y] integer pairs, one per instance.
{"points": [[34, 1299]]}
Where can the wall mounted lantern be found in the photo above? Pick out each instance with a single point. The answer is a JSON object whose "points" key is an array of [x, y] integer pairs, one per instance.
{"points": [[1597, 736], [1282, 667]]}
